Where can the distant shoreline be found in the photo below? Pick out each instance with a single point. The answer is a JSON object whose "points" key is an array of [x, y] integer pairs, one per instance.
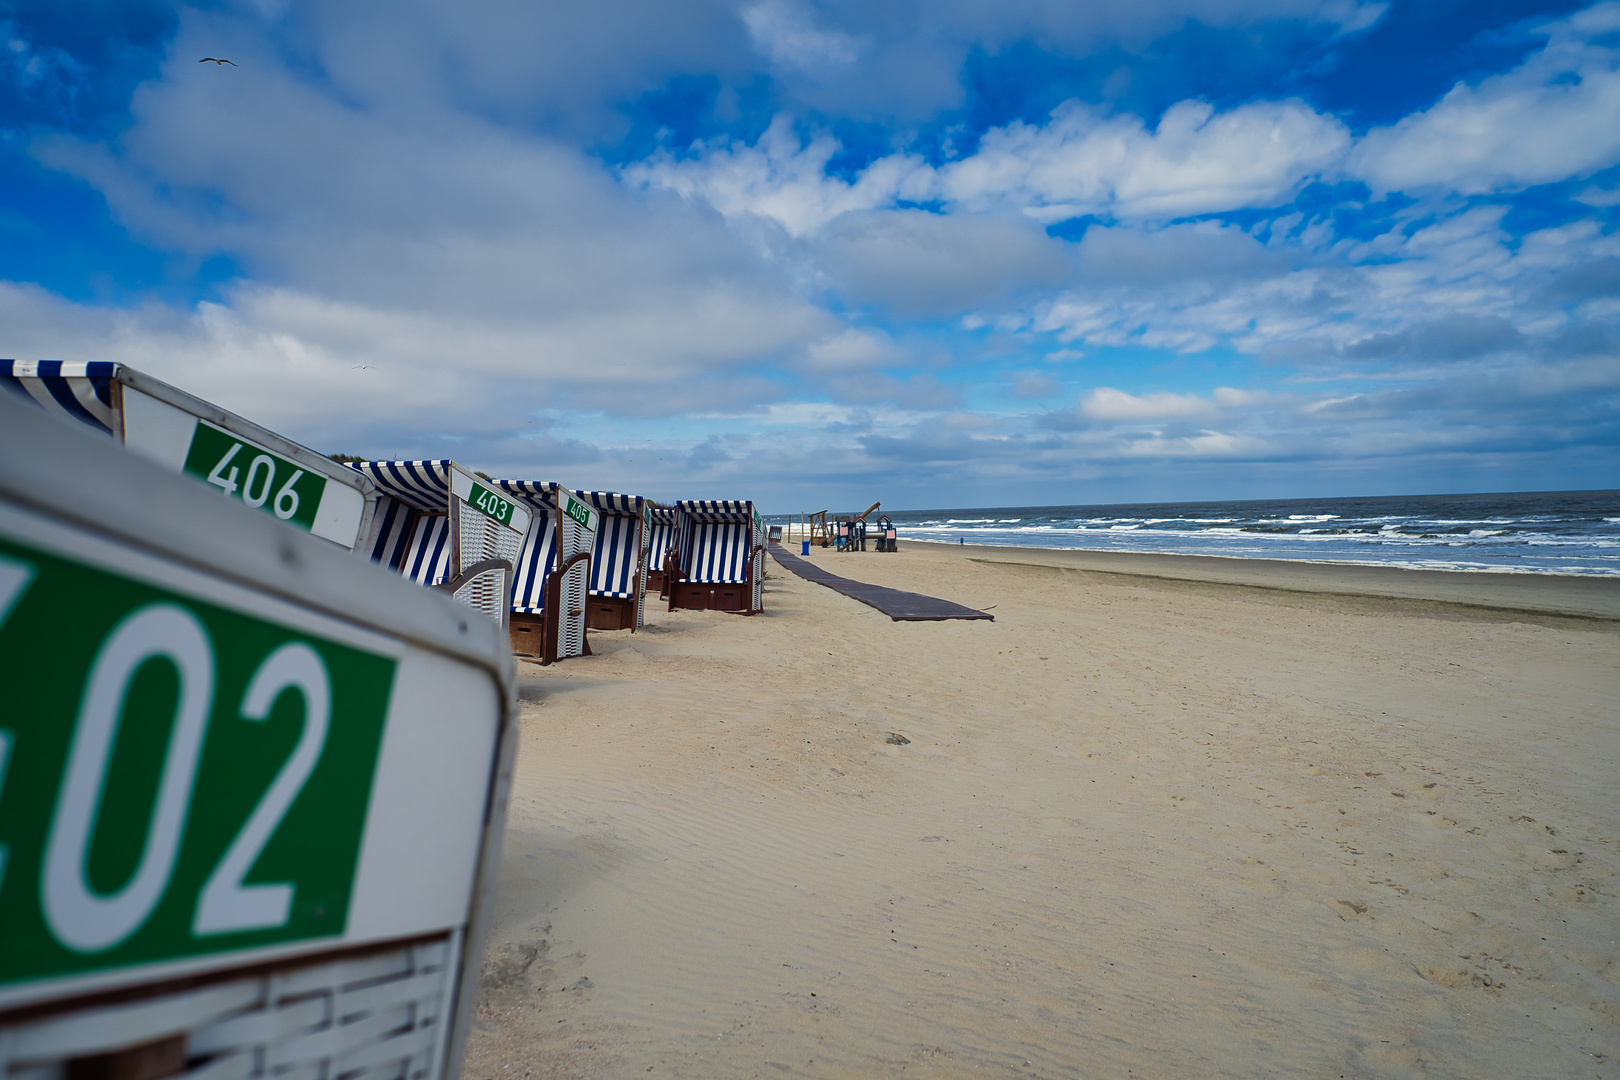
{"points": [[1580, 595], [1559, 534]]}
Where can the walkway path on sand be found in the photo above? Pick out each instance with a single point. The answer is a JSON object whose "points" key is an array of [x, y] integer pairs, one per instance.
{"points": [[897, 605]]}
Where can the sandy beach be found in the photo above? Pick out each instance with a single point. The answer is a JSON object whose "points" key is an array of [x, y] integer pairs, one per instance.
{"points": [[1148, 822]]}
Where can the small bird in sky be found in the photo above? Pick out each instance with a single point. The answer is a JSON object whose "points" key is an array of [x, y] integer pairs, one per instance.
{"points": [[216, 60]]}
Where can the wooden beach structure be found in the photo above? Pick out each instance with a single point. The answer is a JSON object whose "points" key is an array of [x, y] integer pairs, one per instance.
{"points": [[720, 557], [235, 457], [820, 535], [442, 526]]}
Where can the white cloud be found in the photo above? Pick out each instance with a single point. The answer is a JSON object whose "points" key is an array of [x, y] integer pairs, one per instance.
{"points": [[851, 350], [1111, 406], [448, 259], [1082, 161], [1196, 161], [918, 263], [1446, 285], [432, 264], [783, 179], [784, 32], [316, 368], [1034, 385], [1205, 444], [1602, 197], [1552, 118]]}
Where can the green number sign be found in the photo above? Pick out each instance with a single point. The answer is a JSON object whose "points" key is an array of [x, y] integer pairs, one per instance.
{"points": [[579, 512], [177, 777], [491, 504], [254, 475]]}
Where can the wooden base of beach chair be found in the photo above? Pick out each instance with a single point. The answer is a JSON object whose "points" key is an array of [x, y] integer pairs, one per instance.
{"points": [[610, 613], [698, 596], [527, 632], [655, 581]]}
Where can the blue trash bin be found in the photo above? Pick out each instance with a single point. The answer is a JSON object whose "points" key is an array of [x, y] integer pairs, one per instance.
{"points": [[804, 548]]}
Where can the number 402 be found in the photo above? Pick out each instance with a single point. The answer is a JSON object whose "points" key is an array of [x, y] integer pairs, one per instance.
{"points": [[88, 921]]}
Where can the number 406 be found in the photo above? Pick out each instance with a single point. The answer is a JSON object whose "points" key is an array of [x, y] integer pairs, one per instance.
{"points": [[286, 504]]}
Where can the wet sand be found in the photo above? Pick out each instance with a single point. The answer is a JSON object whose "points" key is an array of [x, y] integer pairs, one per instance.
{"points": [[1138, 825]]}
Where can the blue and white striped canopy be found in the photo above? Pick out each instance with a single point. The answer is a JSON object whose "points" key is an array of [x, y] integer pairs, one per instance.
{"points": [[539, 494], [618, 543], [423, 485], [660, 535], [717, 511], [539, 554], [411, 531], [413, 544], [716, 540], [80, 390], [611, 502], [538, 559]]}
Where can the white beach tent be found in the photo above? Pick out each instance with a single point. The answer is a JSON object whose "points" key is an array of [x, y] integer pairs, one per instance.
{"points": [[186, 434], [548, 603], [441, 526]]}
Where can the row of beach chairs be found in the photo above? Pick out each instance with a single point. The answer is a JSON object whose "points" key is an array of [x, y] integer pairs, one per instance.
{"points": [[546, 561]]}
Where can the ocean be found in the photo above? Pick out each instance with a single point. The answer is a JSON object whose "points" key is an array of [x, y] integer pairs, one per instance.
{"points": [[1549, 532]]}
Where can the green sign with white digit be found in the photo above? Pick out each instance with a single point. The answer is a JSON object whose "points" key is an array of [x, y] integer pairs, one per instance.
{"points": [[490, 503], [254, 475], [176, 777], [579, 512]]}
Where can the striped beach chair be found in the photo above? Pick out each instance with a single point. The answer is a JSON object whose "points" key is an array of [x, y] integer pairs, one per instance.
{"points": [[410, 533], [443, 527], [554, 572], [238, 458], [660, 538], [617, 599], [721, 550]]}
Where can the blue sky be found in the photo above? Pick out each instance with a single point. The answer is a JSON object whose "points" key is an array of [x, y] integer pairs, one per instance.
{"points": [[941, 254]]}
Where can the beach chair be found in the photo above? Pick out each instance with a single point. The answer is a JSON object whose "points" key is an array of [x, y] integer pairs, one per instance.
{"points": [[660, 539], [617, 599], [211, 700], [550, 592], [720, 547], [443, 527], [186, 434]]}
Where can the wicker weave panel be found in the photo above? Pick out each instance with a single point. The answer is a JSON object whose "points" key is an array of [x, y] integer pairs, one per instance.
{"points": [[380, 1016], [574, 538]]}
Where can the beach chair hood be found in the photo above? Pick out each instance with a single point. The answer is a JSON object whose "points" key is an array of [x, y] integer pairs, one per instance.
{"points": [[236, 457], [444, 527]]}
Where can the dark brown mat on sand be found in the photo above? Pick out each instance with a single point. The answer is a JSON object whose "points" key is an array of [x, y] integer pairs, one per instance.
{"points": [[897, 605]]}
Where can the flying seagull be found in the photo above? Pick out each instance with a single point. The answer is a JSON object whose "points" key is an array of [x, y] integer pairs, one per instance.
{"points": [[216, 60]]}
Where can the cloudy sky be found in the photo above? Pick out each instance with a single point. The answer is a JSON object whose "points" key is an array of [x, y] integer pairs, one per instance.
{"points": [[944, 253]]}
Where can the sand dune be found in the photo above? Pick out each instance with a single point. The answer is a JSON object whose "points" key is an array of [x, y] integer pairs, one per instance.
{"points": [[1133, 827]]}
